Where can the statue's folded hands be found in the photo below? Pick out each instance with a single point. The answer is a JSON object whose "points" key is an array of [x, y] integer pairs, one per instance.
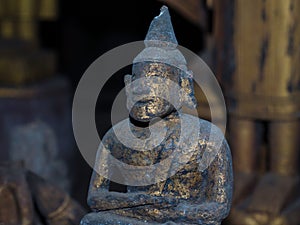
{"points": [[211, 211], [103, 200]]}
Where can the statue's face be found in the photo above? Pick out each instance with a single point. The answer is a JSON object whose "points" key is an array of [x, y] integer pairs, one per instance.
{"points": [[150, 90]]}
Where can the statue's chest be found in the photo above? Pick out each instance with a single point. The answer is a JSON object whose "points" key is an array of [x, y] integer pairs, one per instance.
{"points": [[147, 154], [187, 182], [178, 163]]}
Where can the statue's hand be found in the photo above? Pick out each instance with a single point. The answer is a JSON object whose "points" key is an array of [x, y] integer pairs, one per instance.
{"points": [[105, 200], [211, 212], [141, 198]]}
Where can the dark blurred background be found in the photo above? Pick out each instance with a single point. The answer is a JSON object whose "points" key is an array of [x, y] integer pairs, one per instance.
{"points": [[251, 45]]}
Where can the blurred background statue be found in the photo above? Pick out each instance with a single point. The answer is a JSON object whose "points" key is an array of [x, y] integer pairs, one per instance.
{"points": [[35, 103], [27, 199]]}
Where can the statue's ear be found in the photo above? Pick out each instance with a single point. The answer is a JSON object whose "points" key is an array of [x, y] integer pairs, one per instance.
{"points": [[187, 95], [127, 81]]}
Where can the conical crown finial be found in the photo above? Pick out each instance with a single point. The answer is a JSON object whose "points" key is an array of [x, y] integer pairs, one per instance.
{"points": [[161, 32], [161, 43]]}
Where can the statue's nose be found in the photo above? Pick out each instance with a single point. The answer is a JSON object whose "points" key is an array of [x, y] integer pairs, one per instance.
{"points": [[141, 87]]}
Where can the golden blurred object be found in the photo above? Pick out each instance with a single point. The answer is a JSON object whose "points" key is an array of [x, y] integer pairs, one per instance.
{"points": [[21, 60], [20, 65], [266, 80], [258, 65], [210, 3], [48, 9]]}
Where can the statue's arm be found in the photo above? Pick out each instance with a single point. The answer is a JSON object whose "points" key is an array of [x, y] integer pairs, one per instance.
{"points": [[220, 182], [99, 185], [100, 198], [219, 190]]}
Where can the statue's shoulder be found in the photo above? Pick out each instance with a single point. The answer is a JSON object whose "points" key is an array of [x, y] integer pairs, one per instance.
{"points": [[113, 135], [204, 127], [209, 134], [214, 149]]}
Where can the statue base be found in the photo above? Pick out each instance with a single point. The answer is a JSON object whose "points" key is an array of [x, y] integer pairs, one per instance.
{"points": [[106, 218]]}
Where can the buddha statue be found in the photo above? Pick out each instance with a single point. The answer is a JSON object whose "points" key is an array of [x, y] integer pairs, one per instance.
{"points": [[182, 174]]}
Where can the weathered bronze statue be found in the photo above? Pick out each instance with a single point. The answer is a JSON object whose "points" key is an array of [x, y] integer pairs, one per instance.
{"points": [[194, 184], [258, 62]]}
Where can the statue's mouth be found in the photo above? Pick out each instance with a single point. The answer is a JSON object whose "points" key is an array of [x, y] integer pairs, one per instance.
{"points": [[145, 100]]}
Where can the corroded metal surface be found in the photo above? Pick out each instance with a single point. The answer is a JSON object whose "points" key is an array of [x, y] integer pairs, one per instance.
{"points": [[199, 192], [189, 196]]}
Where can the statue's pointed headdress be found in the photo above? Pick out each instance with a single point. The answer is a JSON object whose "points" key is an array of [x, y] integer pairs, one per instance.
{"points": [[161, 32], [161, 43]]}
